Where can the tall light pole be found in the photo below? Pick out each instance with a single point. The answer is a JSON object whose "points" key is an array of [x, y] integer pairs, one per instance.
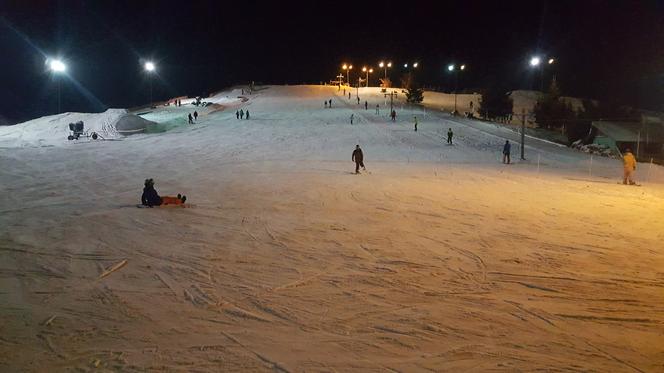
{"points": [[453, 69], [536, 62], [150, 68], [57, 67], [368, 71], [347, 68], [385, 66]]}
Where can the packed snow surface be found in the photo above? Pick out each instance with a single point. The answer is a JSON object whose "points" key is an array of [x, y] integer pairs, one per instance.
{"points": [[437, 258]]}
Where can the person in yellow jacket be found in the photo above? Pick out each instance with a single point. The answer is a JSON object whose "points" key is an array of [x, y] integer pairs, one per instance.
{"points": [[629, 164]]}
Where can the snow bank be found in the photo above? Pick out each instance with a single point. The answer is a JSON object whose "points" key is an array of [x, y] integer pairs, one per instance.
{"points": [[53, 130]]}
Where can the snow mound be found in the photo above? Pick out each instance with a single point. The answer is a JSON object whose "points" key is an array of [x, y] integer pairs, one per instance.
{"points": [[53, 130]]}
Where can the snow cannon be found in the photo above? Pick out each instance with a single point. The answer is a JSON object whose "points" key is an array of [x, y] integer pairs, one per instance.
{"points": [[77, 130]]}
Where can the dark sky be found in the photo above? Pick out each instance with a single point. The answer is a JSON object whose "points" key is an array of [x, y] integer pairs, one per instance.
{"points": [[604, 49]]}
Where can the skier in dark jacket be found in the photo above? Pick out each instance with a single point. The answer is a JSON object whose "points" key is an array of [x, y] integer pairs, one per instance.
{"points": [[241, 114], [450, 134], [237, 114], [191, 120], [247, 114], [195, 115], [366, 105], [506, 151], [358, 158]]}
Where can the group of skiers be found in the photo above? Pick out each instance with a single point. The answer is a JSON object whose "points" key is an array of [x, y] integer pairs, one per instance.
{"points": [[177, 102], [193, 118], [328, 104], [242, 114]]}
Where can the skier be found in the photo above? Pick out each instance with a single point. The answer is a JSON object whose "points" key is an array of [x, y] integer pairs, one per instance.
{"points": [[330, 105], [351, 118], [247, 114], [191, 119], [377, 109], [358, 100], [344, 91], [366, 105], [326, 104], [393, 115], [629, 166], [237, 114], [415, 123], [449, 136], [506, 151], [195, 115], [349, 95], [358, 158], [241, 114], [150, 197]]}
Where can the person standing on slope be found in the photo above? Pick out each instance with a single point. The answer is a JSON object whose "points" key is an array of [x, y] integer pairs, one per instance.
{"points": [[377, 107], [247, 114], [241, 114], [349, 95], [358, 100], [366, 105], [450, 134], [326, 104], [358, 158], [195, 115], [629, 166], [191, 120], [351, 118], [237, 114], [330, 105], [415, 123], [507, 148]]}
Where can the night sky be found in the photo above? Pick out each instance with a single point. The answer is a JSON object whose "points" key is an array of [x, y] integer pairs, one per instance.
{"points": [[611, 50]]}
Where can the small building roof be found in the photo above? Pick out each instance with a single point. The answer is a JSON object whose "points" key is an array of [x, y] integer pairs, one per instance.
{"points": [[631, 131]]}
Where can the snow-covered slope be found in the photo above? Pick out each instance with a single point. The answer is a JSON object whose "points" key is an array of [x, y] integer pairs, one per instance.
{"points": [[53, 130]]}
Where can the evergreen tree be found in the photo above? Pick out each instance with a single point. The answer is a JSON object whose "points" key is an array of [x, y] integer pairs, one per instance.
{"points": [[553, 112], [414, 94], [495, 103]]}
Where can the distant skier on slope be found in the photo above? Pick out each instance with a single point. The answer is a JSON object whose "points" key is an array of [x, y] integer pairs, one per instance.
{"points": [[366, 105], [629, 166], [415, 123], [237, 114], [151, 198], [330, 105], [358, 158], [358, 100], [450, 134], [241, 114], [351, 118], [247, 114], [377, 107], [325, 104], [195, 115], [349, 95], [507, 148], [393, 115], [191, 119]]}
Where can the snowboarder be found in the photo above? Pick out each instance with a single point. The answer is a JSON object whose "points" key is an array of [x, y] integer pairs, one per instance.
{"points": [[237, 114], [195, 115], [377, 107], [358, 158], [507, 148], [366, 105], [393, 115], [151, 198], [450, 134], [191, 119], [629, 166], [351, 118], [247, 114], [415, 123], [241, 114]]}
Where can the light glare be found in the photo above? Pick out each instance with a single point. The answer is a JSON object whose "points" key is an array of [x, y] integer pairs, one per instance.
{"points": [[535, 61], [551, 60], [57, 66], [149, 66], [450, 67]]}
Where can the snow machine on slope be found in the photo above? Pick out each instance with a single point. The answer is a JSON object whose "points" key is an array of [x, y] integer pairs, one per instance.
{"points": [[77, 130]]}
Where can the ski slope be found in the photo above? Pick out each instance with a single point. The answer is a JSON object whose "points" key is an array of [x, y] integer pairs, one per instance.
{"points": [[438, 258]]}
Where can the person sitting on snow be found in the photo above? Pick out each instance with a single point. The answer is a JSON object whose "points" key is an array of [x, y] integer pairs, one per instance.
{"points": [[151, 198]]}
